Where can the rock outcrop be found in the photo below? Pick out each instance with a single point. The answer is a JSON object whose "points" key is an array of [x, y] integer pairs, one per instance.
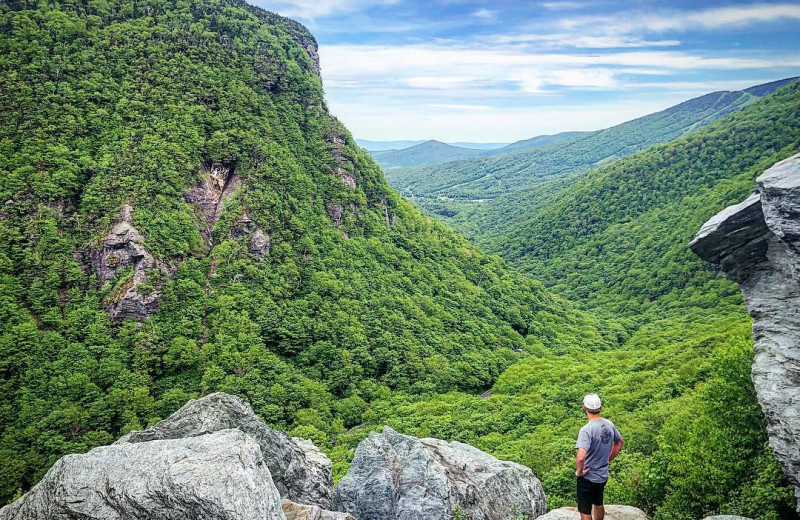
{"points": [[123, 250], [220, 476], [300, 471], [612, 513], [305, 512], [397, 477], [217, 184], [757, 243], [259, 242]]}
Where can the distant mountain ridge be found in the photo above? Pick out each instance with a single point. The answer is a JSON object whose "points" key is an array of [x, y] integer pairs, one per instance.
{"points": [[378, 146], [489, 177], [433, 152]]}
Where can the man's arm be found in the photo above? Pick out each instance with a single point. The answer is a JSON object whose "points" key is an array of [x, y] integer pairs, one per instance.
{"points": [[580, 459], [615, 449]]}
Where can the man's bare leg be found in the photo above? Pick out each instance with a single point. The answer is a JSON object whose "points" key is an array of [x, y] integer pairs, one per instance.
{"points": [[586, 517], [599, 513]]}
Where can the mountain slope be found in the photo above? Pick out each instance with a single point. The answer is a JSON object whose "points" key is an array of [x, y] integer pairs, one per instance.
{"points": [[616, 235], [182, 215], [540, 140], [485, 178], [679, 388]]}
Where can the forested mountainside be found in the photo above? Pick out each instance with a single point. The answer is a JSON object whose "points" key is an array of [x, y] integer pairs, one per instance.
{"points": [[486, 178], [432, 152], [616, 240], [615, 237], [180, 214]]}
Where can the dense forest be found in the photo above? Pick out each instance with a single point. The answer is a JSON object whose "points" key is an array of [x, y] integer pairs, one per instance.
{"points": [[309, 287], [108, 105]]}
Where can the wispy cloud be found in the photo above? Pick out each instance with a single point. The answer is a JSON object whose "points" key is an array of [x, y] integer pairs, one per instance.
{"points": [[569, 40], [312, 9], [635, 22], [498, 68], [563, 6], [425, 65], [485, 14]]}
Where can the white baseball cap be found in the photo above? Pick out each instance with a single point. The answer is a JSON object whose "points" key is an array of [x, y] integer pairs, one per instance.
{"points": [[592, 402]]}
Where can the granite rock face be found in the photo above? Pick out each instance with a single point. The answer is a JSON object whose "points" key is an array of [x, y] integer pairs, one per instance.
{"points": [[220, 476], [123, 249], [757, 243], [612, 513], [397, 477], [304, 512], [300, 471]]}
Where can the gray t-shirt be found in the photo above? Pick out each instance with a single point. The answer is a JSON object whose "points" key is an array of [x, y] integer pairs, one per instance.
{"points": [[597, 438]]}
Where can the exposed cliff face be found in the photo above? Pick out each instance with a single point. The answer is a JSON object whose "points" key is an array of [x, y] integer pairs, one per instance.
{"points": [[398, 477], [121, 250], [220, 475], [300, 471], [757, 243]]}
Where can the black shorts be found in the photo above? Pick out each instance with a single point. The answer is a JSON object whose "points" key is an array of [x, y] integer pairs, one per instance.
{"points": [[589, 494]]}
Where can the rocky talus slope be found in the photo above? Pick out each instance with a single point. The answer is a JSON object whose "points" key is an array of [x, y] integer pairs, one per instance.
{"points": [[215, 459], [757, 244]]}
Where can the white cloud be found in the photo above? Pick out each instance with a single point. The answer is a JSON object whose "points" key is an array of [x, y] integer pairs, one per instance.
{"points": [[484, 14], [312, 9], [663, 21], [498, 92], [494, 69], [567, 40], [563, 5]]}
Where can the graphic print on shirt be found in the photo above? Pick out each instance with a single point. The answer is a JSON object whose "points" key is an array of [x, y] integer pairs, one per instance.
{"points": [[605, 434]]}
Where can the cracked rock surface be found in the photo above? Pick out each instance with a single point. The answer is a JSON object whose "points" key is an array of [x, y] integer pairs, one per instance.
{"points": [[757, 244], [301, 472], [398, 477], [220, 476]]}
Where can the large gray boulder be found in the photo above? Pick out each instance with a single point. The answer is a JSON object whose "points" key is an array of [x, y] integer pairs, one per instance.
{"points": [[301, 472], [305, 512], [757, 243], [398, 477], [220, 476], [612, 513]]}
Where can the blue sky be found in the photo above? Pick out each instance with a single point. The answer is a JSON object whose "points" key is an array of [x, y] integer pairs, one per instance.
{"points": [[461, 70]]}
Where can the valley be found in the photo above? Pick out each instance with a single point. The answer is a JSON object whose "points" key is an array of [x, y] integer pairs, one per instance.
{"points": [[185, 225]]}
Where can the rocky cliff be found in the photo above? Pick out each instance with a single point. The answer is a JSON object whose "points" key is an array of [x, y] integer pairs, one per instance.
{"points": [[220, 475], [757, 244], [215, 459], [300, 471], [398, 477]]}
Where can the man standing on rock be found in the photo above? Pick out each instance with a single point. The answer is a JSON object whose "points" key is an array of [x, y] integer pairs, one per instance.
{"points": [[599, 442]]}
